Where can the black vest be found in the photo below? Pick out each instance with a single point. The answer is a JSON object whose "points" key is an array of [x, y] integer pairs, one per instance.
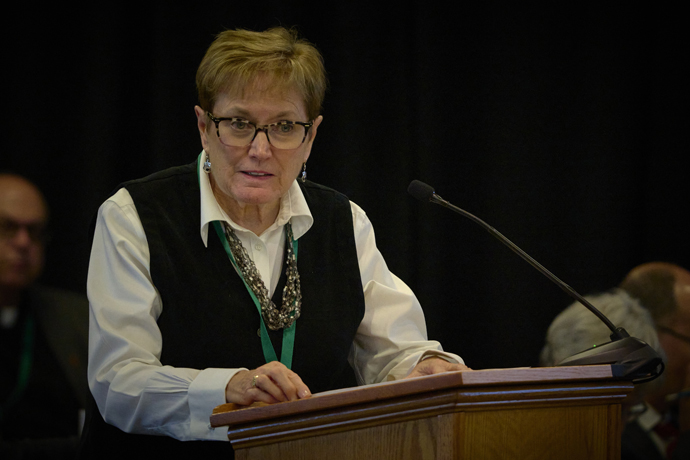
{"points": [[209, 319]]}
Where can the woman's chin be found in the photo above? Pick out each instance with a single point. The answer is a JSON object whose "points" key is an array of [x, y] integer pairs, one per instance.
{"points": [[257, 196]]}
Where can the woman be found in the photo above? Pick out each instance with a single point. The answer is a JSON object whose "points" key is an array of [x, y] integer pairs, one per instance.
{"points": [[228, 280]]}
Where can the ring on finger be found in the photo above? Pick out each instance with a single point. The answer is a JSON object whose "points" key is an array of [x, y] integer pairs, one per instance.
{"points": [[254, 380]]}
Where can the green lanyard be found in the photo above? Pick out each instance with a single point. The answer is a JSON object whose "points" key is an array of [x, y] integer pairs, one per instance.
{"points": [[288, 333], [24, 368]]}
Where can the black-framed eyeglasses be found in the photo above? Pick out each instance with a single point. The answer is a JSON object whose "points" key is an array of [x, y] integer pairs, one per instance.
{"points": [[674, 333], [9, 228], [238, 132]]}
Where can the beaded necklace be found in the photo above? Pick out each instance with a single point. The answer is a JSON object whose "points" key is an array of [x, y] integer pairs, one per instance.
{"points": [[288, 315], [292, 295]]}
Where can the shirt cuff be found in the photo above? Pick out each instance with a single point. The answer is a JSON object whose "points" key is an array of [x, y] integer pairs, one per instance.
{"points": [[450, 357], [206, 392]]}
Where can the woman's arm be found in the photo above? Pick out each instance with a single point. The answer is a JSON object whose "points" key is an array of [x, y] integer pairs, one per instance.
{"points": [[392, 337], [133, 390]]}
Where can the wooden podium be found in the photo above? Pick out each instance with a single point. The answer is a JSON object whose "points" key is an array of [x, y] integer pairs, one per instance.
{"points": [[524, 413]]}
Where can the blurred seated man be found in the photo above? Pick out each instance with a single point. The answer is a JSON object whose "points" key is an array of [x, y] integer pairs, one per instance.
{"points": [[43, 337], [663, 429], [577, 329]]}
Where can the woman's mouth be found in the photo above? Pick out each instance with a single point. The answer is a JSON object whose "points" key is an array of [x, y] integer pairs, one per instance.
{"points": [[256, 174]]}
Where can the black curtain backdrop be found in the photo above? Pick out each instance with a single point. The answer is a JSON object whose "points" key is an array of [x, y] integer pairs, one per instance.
{"points": [[564, 128]]}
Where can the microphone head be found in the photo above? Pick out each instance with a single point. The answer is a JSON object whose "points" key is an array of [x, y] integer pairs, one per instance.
{"points": [[420, 190]]}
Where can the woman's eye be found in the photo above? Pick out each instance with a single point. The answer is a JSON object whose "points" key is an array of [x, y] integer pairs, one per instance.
{"points": [[239, 124]]}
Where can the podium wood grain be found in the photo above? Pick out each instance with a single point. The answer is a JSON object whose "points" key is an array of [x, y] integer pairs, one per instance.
{"points": [[539, 413]]}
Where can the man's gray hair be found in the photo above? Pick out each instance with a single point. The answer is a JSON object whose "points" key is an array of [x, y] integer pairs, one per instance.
{"points": [[577, 329]]}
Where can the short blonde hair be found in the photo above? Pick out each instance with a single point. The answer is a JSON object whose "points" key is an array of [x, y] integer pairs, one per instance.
{"points": [[237, 59]]}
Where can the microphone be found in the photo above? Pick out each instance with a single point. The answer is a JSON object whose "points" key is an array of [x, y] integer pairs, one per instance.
{"points": [[629, 357]]}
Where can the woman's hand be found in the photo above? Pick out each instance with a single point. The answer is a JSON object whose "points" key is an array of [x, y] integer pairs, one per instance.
{"points": [[270, 383], [435, 365]]}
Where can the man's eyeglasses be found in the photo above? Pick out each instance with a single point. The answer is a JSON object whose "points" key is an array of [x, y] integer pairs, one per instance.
{"points": [[675, 334], [238, 132], [9, 229]]}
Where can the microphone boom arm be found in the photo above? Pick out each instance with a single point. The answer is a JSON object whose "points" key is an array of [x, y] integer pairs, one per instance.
{"points": [[617, 333]]}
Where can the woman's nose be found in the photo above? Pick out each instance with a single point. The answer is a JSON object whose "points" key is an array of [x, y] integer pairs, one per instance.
{"points": [[260, 146]]}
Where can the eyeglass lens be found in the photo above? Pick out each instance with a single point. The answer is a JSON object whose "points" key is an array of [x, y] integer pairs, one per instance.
{"points": [[239, 133]]}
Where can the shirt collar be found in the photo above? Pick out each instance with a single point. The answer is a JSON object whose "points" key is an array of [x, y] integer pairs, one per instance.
{"points": [[649, 418], [293, 207], [8, 316]]}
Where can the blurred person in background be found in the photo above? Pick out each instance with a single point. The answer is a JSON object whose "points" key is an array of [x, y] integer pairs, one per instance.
{"points": [[652, 304], [43, 336], [663, 429]]}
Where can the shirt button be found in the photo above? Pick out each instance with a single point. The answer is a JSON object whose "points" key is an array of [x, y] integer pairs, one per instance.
{"points": [[258, 332], [257, 247]]}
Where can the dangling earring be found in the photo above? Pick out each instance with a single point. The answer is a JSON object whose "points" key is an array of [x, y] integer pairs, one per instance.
{"points": [[207, 165], [303, 176]]}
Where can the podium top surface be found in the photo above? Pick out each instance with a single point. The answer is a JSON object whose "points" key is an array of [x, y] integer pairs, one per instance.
{"points": [[231, 414]]}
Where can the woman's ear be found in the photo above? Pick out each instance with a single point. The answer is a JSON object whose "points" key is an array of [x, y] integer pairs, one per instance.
{"points": [[202, 125], [312, 136], [312, 130]]}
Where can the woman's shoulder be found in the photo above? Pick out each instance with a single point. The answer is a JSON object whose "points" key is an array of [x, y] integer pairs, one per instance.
{"points": [[166, 174], [314, 190]]}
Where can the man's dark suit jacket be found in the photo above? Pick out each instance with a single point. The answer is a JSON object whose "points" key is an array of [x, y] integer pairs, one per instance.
{"points": [[637, 445], [44, 422]]}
